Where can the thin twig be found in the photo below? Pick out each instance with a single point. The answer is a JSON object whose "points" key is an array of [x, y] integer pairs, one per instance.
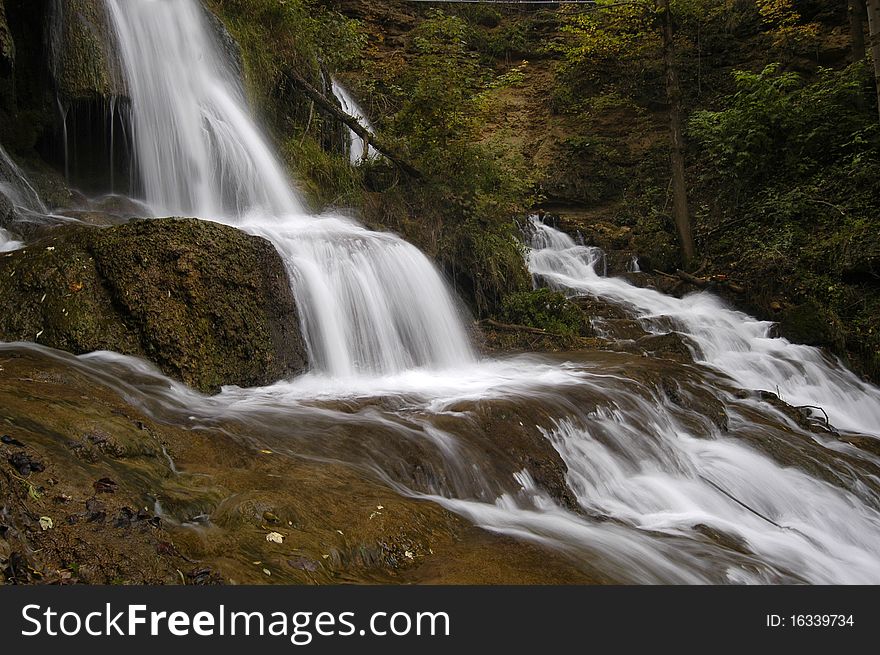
{"points": [[742, 504]]}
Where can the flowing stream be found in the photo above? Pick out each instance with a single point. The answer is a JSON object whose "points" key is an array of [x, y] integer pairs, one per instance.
{"points": [[675, 473]]}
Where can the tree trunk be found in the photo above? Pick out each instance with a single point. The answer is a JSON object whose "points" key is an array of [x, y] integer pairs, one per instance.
{"points": [[856, 11], [676, 137], [874, 41]]}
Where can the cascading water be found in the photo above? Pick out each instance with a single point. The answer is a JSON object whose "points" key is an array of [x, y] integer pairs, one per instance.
{"points": [[15, 186], [676, 476], [18, 192], [356, 153], [370, 302], [197, 149], [738, 345]]}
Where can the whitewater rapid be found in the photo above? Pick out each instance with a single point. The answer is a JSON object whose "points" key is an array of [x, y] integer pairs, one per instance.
{"points": [[732, 342]]}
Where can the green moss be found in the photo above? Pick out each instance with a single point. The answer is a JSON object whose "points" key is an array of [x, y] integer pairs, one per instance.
{"points": [[544, 309], [210, 305], [7, 46], [85, 66]]}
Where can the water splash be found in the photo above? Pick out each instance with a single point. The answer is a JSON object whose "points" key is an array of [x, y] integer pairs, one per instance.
{"points": [[17, 190]]}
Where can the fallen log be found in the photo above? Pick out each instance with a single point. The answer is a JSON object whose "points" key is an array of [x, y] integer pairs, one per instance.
{"points": [[351, 122], [704, 282]]}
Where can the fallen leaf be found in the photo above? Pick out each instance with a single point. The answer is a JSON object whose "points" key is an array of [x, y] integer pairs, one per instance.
{"points": [[275, 537], [267, 571], [46, 523]]}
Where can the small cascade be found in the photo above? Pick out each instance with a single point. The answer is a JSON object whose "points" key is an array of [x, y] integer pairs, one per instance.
{"points": [[17, 196], [356, 152], [737, 345], [15, 186]]}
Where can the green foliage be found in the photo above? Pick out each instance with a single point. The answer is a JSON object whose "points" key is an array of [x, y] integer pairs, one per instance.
{"points": [[544, 309], [473, 189], [327, 178], [778, 125], [792, 166], [440, 109], [617, 48], [276, 36]]}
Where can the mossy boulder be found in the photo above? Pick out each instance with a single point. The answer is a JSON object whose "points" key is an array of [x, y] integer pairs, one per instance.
{"points": [[84, 63], [207, 303], [811, 324]]}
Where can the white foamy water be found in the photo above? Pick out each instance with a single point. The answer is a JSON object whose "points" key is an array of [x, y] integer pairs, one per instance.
{"points": [[369, 302], [664, 495], [356, 151], [730, 341]]}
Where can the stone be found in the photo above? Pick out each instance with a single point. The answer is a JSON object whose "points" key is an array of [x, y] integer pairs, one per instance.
{"points": [[207, 303]]}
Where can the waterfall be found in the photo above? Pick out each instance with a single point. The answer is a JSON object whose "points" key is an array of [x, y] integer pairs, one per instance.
{"points": [[369, 302], [732, 342], [356, 152], [16, 196], [15, 186], [198, 151], [702, 484]]}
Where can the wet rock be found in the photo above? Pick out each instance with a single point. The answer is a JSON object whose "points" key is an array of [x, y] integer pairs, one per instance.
{"points": [[702, 402], [82, 51], [813, 325], [303, 564], [11, 441], [510, 440], [7, 46], [204, 576], [25, 464], [209, 304], [672, 345], [124, 518], [7, 211], [105, 486]]}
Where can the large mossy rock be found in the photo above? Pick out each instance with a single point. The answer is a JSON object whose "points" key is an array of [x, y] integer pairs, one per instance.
{"points": [[84, 63], [209, 304], [812, 324]]}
